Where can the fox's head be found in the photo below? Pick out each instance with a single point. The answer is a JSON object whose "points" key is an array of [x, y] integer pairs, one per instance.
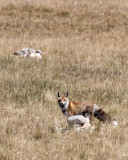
{"points": [[63, 102]]}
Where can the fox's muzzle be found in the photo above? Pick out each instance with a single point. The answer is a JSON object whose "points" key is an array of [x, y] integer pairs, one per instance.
{"points": [[61, 105]]}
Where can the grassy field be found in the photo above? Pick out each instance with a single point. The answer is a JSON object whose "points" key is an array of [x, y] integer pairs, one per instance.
{"points": [[86, 53]]}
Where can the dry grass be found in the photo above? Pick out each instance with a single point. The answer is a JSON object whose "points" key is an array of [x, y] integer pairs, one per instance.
{"points": [[86, 46]]}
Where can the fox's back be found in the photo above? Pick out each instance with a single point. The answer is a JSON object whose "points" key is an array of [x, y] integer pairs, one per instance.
{"points": [[78, 107]]}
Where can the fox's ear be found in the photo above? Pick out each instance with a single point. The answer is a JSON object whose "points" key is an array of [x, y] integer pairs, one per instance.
{"points": [[58, 94], [66, 94]]}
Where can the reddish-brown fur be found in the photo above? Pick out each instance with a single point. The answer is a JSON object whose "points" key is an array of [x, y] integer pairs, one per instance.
{"points": [[77, 107]]}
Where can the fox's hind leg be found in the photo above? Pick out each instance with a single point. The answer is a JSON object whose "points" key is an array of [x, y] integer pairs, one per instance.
{"points": [[91, 118], [90, 115], [87, 124]]}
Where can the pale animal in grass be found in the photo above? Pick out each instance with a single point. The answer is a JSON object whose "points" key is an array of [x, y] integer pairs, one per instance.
{"points": [[29, 52]]}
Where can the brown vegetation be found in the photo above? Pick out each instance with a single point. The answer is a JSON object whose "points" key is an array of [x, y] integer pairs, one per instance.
{"points": [[86, 46]]}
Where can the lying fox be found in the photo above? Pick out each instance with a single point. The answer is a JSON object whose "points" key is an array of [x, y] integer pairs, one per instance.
{"points": [[87, 109]]}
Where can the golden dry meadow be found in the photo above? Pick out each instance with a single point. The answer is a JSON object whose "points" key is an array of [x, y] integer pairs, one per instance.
{"points": [[85, 45]]}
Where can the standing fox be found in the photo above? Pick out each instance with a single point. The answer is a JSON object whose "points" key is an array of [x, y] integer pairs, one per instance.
{"points": [[87, 109]]}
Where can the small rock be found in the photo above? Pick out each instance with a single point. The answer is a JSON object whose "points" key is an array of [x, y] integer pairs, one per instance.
{"points": [[79, 119]]}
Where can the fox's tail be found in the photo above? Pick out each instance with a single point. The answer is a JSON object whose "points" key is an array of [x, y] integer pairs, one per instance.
{"points": [[103, 116]]}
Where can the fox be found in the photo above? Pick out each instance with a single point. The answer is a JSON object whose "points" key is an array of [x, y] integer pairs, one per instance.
{"points": [[86, 109]]}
